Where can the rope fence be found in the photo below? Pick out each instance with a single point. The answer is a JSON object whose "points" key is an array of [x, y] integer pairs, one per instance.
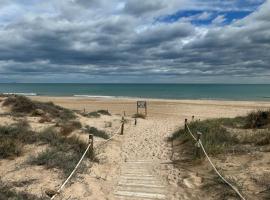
{"points": [[90, 145], [200, 144]]}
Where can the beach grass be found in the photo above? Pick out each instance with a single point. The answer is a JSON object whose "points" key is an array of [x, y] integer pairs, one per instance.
{"points": [[24, 105], [220, 135], [7, 193], [97, 133], [97, 114], [63, 152], [13, 137]]}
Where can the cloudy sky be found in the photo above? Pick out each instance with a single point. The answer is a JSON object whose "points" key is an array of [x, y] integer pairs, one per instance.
{"points": [[167, 41]]}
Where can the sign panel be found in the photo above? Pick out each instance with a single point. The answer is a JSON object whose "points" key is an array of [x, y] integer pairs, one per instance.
{"points": [[141, 104]]}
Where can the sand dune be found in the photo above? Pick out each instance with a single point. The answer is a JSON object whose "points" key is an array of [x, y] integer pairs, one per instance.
{"points": [[145, 142]]}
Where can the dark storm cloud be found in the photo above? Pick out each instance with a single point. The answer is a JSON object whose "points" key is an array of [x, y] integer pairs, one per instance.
{"points": [[138, 8], [115, 38]]}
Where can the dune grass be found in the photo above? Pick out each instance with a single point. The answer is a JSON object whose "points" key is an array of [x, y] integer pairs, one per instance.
{"points": [[98, 133], [14, 137], [217, 138], [24, 105], [97, 114], [258, 119], [63, 152], [69, 126], [7, 193]]}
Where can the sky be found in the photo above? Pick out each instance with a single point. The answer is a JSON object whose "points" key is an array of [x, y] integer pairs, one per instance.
{"points": [[135, 41]]}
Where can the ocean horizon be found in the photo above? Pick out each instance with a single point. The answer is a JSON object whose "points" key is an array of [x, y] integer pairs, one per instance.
{"points": [[258, 92]]}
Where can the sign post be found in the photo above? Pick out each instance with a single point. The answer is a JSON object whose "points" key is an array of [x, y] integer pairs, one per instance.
{"points": [[142, 104]]}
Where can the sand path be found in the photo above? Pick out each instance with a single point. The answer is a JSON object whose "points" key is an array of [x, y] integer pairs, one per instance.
{"points": [[144, 148]]}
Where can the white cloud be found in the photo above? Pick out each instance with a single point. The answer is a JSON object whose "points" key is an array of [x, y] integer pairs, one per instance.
{"points": [[105, 38]]}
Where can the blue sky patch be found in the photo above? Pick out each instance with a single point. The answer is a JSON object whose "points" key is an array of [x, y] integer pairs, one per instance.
{"points": [[200, 17]]}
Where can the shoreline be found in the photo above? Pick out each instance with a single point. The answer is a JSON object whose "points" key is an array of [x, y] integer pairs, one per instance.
{"points": [[105, 97], [159, 108]]}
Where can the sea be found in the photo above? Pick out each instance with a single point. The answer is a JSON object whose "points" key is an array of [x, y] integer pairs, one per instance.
{"points": [[257, 92]]}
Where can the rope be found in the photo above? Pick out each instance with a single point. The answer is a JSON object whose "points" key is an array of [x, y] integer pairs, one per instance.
{"points": [[208, 158], [63, 185], [106, 141], [78, 164], [191, 133], [234, 188]]}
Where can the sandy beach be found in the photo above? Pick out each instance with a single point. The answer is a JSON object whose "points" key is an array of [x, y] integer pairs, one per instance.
{"points": [[160, 108], [144, 143]]}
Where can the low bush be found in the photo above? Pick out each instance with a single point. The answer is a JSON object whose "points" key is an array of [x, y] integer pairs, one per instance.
{"points": [[24, 105], [98, 133], [96, 114], [70, 126], [104, 112], [92, 114], [7, 193], [14, 137], [63, 152], [215, 137], [258, 119]]}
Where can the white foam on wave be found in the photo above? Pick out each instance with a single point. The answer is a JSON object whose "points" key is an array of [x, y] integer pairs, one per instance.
{"points": [[106, 97], [95, 96], [20, 93]]}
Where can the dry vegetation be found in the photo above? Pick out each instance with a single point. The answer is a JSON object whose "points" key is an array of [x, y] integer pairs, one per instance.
{"points": [[247, 136], [14, 137], [7, 193], [98, 133], [63, 151], [21, 105], [96, 114], [223, 134]]}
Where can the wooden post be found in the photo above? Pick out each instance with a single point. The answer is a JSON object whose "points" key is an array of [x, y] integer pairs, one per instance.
{"points": [[91, 141], [186, 124], [84, 110], [135, 122], [192, 117], [197, 149], [145, 109], [122, 126]]}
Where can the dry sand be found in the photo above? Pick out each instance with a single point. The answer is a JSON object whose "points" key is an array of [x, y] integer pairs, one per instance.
{"points": [[146, 142]]}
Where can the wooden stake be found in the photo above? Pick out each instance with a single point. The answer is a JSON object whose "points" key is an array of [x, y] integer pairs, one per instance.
{"points": [[193, 118], [135, 122], [122, 126], [197, 149], [185, 124], [91, 141]]}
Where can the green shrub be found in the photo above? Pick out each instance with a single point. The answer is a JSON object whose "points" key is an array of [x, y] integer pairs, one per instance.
{"points": [[92, 114], [258, 119], [14, 137], [24, 105], [20, 104], [215, 137], [7, 193], [98, 133], [63, 152], [68, 127], [104, 112]]}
